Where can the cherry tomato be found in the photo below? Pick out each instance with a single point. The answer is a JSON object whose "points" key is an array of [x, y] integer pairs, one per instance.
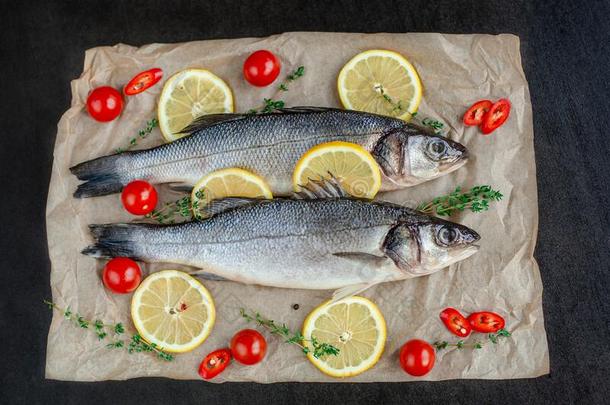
{"points": [[248, 346], [417, 357], [143, 81], [104, 103], [455, 322], [486, 322], [261, 68], [122, 275], [476, 113], [497, 114], [214, 363], [139, 197]]}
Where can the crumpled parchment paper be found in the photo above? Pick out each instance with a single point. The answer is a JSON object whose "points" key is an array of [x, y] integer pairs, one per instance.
{"points": [[503, 276]]}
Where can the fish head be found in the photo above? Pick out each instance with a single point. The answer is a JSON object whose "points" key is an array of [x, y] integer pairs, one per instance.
{"points": [[408, 157], [423, 248]]}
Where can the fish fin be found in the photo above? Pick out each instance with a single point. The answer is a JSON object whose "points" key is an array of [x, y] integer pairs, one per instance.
{"points": [[351, 290], [113, 240], [205, 121], [212, 119], [322, 188], [209, 276], [181, 187], [226, 204], [100, 175], [303, 109]]}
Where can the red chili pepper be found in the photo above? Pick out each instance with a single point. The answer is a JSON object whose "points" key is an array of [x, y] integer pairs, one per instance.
{"points": [[214, 363], [455, 322], [486, 322], [496, 116], [143, 81], [476, 113]]}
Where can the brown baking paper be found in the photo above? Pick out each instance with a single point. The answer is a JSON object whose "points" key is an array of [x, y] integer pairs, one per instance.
{"points": [[503, 276]]}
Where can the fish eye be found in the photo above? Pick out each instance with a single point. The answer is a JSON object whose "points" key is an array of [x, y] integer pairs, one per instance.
{"points": [[447, 235], [436, 147]]}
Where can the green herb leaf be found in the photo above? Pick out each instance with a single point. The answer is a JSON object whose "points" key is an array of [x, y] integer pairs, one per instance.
{"points": [[118, 328], [115, 345], [504, 332], [82, 322]]}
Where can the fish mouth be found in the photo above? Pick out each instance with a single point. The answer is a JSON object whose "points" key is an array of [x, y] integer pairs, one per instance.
{"points": [[469, 251], [458, 154], [465, 154], [463, 254], [454, 165]]}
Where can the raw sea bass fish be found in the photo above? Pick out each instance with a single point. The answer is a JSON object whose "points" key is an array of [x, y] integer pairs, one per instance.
{"points": [[314, 243], [270, 145]]}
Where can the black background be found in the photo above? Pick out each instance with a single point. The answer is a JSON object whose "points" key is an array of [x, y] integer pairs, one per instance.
{"points": [[566, 53]]}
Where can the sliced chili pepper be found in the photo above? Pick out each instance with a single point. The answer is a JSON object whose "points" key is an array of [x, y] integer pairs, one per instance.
{"points": [[486, 322], [214, 363], [496, 116], [475, 114], [143, 81], [455, 322]]}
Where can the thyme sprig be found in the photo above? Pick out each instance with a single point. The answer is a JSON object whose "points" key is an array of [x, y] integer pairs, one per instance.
{"points": [[494, 338], [102, 330], [436, 125], [142, 134], [396, 105], [296, 74], [271, 104], [138, 345], [476, 199], [295, 338], [183, 209], [172, 211]]}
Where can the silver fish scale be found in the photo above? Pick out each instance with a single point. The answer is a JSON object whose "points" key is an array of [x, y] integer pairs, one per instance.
{"points": [[283, 243], [268, 144]]}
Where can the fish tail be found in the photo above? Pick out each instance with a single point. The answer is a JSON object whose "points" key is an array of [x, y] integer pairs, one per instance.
{"points": [[101, 177], [114, 240]]}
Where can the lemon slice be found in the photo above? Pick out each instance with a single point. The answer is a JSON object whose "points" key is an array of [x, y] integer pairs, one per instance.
{"points": [[351, 164], [353, 325], [173, 310], [189, 94], [380, 82], [232, 182]]}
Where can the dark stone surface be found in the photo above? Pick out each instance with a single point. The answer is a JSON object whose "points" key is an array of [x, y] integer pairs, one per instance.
{"points": [[566, 56]]}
